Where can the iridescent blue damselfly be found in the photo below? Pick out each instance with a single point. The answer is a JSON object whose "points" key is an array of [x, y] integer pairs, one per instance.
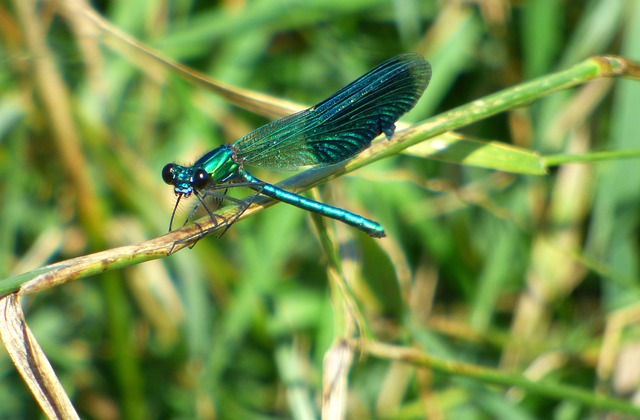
{"points": [[329, 133]]}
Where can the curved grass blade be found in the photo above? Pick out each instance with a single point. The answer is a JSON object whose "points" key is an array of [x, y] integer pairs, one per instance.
{"points": [[455, 148]]}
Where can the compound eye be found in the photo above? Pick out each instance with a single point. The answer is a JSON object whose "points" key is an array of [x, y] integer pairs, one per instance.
{"points": [[168, 176], [200, 179]]}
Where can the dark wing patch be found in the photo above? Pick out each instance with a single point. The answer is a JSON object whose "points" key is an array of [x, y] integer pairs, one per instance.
{"points": [[343, 125]]}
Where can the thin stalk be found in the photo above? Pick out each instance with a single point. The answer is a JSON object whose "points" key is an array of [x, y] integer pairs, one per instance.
{"points": [[506, 99], [494, 376]]}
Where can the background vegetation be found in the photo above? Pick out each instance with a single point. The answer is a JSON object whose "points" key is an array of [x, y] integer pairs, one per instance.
{"points": [[534, 276]]}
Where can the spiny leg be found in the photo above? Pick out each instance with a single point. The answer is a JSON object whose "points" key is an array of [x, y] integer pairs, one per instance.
{"points": [[213, 216], [173, 213], [220, 197], [243, 207], [200, 202]]}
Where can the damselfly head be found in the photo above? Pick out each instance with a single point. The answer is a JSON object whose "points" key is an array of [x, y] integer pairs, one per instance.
{"points": [[185, 180]]}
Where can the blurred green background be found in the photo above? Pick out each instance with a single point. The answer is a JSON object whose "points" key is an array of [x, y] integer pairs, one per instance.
{"points": [[529, 275]]}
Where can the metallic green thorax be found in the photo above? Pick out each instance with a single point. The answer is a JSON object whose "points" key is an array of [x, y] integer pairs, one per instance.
{"points": [[220, 163]]}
